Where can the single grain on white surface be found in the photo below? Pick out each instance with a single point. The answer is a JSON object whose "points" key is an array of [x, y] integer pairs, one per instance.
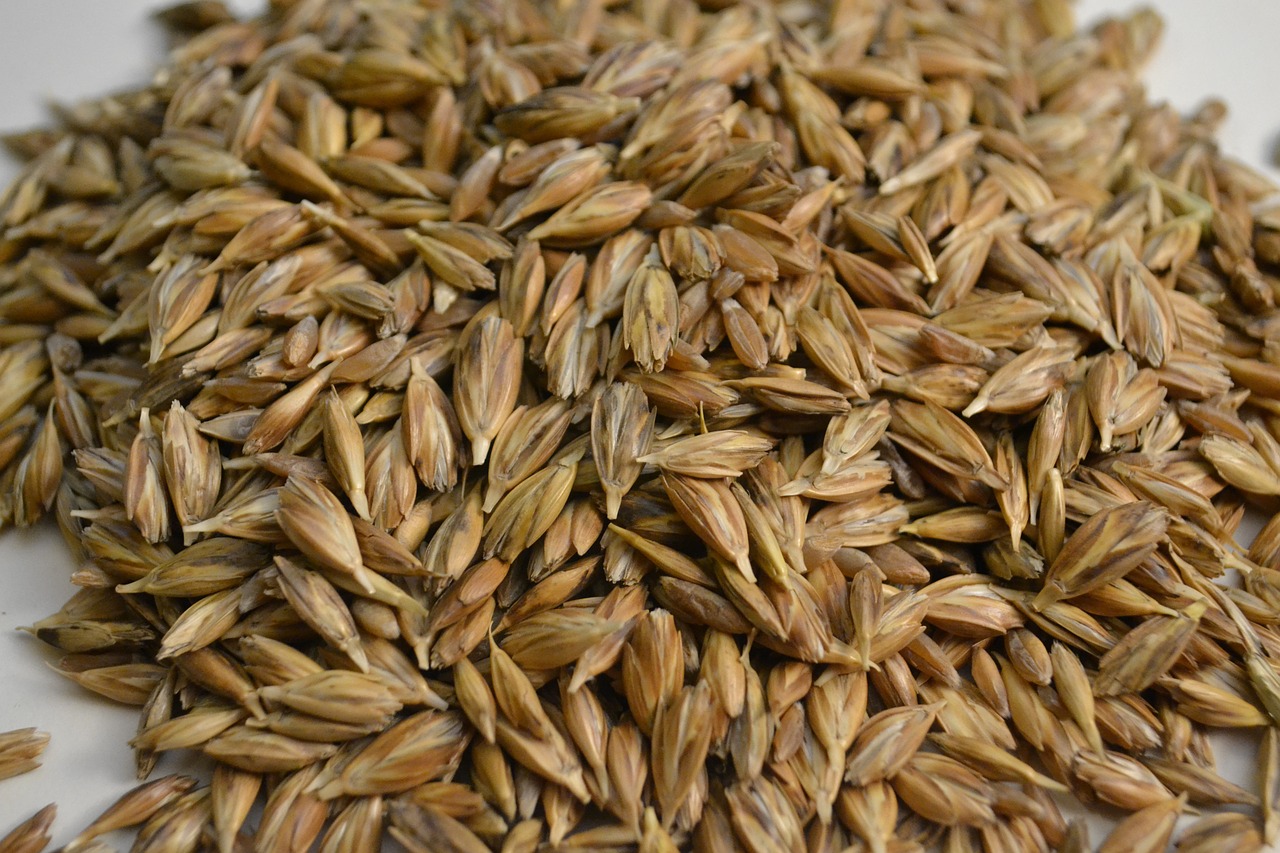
{"points": [[67, 49]]}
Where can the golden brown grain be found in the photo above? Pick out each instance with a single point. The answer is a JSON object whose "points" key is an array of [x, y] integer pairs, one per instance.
{"points": [[652, 426]]}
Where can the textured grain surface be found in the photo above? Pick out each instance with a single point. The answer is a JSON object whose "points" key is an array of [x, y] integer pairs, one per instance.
{"points": [[1079, 396]]}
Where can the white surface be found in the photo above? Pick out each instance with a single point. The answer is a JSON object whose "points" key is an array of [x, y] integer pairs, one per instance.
{"points": [[65, 49]]}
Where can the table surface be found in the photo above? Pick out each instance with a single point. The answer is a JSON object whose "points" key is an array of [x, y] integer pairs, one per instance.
{"points": [[70, 49]]}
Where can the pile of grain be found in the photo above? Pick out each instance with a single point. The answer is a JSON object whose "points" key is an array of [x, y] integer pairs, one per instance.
{"points": [[653, 425]]}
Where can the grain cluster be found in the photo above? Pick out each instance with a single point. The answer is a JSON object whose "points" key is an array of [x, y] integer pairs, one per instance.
{"points": [[653, 425]]}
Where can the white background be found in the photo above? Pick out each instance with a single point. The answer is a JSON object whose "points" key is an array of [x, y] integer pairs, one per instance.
{"points": [[67, 49]]}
